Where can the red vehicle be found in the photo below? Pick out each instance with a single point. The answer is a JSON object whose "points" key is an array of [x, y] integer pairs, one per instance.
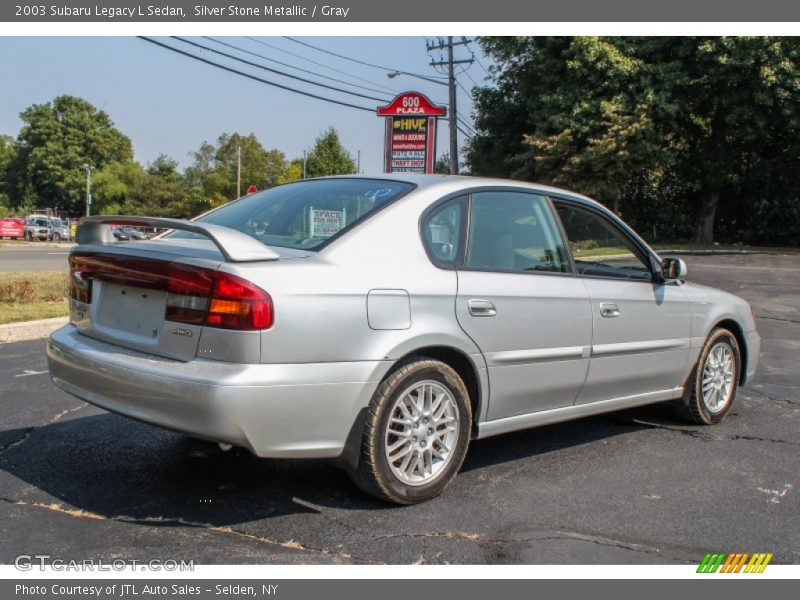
{"points": [[12, 227]]}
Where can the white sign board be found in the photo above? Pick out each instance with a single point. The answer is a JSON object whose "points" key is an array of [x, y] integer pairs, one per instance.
{"points": [[325, 223]]}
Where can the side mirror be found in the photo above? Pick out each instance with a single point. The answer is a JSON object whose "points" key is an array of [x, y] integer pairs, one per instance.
{"points": [[673, 269]]}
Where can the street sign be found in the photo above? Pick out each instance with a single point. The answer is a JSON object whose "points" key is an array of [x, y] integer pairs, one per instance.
{"points": [[252, 189], [410, 141]]}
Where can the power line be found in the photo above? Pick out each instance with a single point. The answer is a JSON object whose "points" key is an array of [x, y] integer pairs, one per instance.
{"points": [[302, 70], [480, 64], [465, 124], [276, 71], [475, 83], [319, 64], [253, 77], [355, 60]]}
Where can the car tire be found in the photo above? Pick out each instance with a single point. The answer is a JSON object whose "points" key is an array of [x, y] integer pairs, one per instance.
{"points": [[711, 388], [442, 401]]}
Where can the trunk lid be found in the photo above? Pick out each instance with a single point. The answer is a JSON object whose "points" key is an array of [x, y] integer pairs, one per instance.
{"points": [[124, 293]]}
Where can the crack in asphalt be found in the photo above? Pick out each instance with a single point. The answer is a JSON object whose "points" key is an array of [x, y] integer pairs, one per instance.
{"points": [[159, 520], [709, 438], [27, 432], [557, 535], [608, 543], [770, 397], [777, 319]]}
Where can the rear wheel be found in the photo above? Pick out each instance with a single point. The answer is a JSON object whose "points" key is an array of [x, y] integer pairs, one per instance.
{"points": [[416, 433], [713, 383]]}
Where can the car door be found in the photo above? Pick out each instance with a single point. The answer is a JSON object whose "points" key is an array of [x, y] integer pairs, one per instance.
{"points": [[520, 302], [641, 325]]}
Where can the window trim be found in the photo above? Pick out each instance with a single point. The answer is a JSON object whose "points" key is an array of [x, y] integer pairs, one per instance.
{"points": [[632, 242]]}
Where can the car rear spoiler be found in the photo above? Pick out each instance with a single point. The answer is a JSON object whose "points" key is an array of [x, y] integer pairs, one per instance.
{"points": [[234, 245]]}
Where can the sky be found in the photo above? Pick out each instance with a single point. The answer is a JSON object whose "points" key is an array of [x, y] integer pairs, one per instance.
{"points": [[168, 103]]}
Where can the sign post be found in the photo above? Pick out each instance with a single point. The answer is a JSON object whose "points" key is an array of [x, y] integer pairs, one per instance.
{"points": [[410, 141]]}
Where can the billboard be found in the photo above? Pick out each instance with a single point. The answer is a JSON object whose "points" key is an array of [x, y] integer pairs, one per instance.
{"points": [[410, 139]]}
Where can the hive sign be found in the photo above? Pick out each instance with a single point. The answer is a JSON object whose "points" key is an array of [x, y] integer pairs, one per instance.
{"points": [[410, 141]]}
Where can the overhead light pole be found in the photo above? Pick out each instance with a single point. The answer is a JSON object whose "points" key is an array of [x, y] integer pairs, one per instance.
{"points": [[88, 168]]}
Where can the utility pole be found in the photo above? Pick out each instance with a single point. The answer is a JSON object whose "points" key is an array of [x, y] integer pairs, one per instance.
{"points": [[238, 170], [358, 164], [450, 63], [88, 168], [304, 164]]}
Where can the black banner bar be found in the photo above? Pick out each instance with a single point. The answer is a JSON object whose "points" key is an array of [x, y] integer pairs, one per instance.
{"points": [[385, 589], [407, 10]]}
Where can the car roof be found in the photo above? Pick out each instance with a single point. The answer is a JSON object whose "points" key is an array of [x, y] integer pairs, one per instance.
{"points": [[464, 182]]}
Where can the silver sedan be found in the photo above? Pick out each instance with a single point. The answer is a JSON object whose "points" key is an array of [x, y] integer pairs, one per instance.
{"points": [[387, 321]]}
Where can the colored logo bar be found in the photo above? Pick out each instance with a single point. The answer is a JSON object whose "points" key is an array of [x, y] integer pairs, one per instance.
{"points": [[739, 562]]}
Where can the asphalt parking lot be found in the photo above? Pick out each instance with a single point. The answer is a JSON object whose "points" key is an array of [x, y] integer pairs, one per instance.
{"points": [[632, 487]]}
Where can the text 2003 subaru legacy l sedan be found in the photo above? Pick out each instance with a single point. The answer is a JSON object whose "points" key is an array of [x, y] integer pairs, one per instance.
{"points": [[388, 321]]}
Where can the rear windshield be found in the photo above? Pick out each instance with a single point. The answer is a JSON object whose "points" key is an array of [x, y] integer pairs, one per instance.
{"points": [[305, 214]]}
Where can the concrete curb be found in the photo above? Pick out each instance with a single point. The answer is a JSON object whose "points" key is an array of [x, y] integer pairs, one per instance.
{"points": [[30, 330]]}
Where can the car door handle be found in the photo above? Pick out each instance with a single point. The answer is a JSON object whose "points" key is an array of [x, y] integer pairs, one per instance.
{"points": [[609, 310], [481, 308]]}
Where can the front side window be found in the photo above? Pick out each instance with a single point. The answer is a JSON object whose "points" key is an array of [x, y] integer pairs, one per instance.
{"points": [[514, 231], [598, 247], [304, 215]]}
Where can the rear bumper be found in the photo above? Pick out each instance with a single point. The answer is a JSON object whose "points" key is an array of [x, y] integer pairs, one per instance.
{"points": [[753, 341], [275, 410]]}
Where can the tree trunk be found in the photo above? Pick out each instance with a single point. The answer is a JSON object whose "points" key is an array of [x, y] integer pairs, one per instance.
{"points": [[705, 227]]}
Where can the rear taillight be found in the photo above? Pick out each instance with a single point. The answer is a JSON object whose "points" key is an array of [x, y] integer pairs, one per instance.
{"points": [[227, 301], [195, 295], [80, 283]]}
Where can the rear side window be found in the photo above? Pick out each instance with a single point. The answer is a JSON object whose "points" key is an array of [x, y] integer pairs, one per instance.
{"points": [[306, 214], [442, 231], [514, 231]]}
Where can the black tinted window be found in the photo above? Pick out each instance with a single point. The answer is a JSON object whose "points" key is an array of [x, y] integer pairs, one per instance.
{"points": [[442, 231], [514, 231], [598, 247], [305, 214]]}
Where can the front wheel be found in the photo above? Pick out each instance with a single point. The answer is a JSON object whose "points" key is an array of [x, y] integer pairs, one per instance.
{"points": [[416, 433], [712, 387]]}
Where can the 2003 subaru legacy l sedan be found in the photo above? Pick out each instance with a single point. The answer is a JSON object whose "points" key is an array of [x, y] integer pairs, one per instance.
{"points": [[387, 321]]}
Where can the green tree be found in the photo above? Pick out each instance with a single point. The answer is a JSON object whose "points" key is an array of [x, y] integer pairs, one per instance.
{"points": [[161, 192], [56, 140], [115, 185], [211, 177], [442, 164], [604, 114], [736, 101], [6, 155], [328, 157]]}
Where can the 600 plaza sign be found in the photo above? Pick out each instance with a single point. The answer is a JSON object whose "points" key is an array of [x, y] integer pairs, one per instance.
{"points": [[410, 141]]}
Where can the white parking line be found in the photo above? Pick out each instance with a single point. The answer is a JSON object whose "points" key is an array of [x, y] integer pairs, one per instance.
{"points": [[28, 372]]}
